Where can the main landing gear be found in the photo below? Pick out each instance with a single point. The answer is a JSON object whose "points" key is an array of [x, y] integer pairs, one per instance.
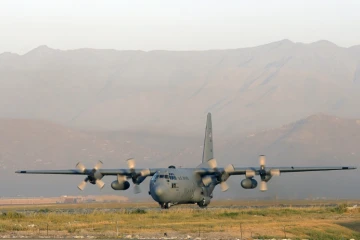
{"points": [[166, 205]]}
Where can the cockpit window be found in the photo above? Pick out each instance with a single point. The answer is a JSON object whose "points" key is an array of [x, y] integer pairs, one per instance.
{"points": [[157, 175]]}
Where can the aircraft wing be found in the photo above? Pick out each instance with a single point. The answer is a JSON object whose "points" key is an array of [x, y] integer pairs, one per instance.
{"points": [[104, 172], [202, 171], [242, 171]]}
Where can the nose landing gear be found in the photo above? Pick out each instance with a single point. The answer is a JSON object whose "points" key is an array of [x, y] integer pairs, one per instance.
{"points": [[204, 202]]}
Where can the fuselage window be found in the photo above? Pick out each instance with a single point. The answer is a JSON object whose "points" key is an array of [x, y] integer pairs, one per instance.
{"points": [[161, 176]]}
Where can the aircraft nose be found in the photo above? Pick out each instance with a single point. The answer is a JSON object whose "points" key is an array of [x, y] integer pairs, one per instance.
{"points": [[159, 190], [158, 193]]}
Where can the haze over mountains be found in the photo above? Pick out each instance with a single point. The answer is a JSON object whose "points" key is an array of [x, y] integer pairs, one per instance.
{"points": [[297, 103], [165, 91]]}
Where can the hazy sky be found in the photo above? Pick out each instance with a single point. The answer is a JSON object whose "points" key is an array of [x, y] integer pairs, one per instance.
{"points": [[174, 25]]}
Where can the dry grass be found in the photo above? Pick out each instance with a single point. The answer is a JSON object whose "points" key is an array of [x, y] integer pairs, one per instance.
{"points": [[312, 222]]}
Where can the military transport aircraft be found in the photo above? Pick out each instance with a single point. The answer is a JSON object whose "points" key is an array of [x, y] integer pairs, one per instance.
{"points": [[171, 186]]}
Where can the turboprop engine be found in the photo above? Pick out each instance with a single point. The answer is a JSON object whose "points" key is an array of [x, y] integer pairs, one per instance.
{"points": [[265, 176], [249, 183], [94, 176]]}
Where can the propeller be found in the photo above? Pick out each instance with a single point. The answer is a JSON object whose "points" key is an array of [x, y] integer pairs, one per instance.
{"points": [[82, 185], [135, 176], [264, 174], [223, 175], [94, 176]]}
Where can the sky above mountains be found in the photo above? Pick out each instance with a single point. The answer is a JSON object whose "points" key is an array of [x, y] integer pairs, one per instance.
{"points": [[169, 25]]}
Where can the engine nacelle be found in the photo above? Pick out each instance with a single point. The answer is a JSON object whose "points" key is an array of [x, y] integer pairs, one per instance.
{"points": [[249, 183], [120, 186]]}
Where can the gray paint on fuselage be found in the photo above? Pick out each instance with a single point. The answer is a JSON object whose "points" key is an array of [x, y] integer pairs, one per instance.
{"points": [[186, 188]]}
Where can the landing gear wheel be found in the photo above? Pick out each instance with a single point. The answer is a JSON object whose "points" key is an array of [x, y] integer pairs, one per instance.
{"points": [[202, 206], [165, 205]]}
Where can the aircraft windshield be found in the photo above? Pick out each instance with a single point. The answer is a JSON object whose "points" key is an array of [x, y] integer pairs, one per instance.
{"points": [[157, 175]]}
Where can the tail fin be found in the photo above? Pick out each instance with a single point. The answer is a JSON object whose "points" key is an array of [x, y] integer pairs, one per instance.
{"points": [[208, 151]]}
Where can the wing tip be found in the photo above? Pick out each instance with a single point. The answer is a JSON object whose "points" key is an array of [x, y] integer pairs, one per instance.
{"points": [[20, 171], [349, 168]]}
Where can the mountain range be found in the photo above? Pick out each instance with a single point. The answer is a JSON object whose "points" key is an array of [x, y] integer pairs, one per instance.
{"points": [[171, 91]]}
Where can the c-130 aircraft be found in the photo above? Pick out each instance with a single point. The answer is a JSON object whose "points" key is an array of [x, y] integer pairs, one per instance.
{"points": [[171, 186]]}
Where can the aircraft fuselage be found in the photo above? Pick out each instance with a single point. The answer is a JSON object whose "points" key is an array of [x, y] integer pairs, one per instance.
{"points": [[179, 186]]}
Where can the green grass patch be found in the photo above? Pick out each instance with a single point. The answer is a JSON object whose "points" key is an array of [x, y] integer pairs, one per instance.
{"points": [[229, 214], [138, 211], [11, 215], [341, 208]]}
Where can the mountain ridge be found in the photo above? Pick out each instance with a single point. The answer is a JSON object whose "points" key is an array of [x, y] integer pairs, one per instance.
{"points": [[248, 88], [283, 41]]}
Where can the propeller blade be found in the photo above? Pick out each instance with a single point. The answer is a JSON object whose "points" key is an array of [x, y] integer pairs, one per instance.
{"points": [[82, 185], [224, 186], [206, 180], [262, 160], [98, 165], [81, 167], [263, 186], [145, 172], [212, 163], [100, 183], [131, 163], [275, 172], [229, 168], [137, 189], [121, 178], [250, 173]]}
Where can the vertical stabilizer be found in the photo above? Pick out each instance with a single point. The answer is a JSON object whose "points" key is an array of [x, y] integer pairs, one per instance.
{"points": [[208, 151]]}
